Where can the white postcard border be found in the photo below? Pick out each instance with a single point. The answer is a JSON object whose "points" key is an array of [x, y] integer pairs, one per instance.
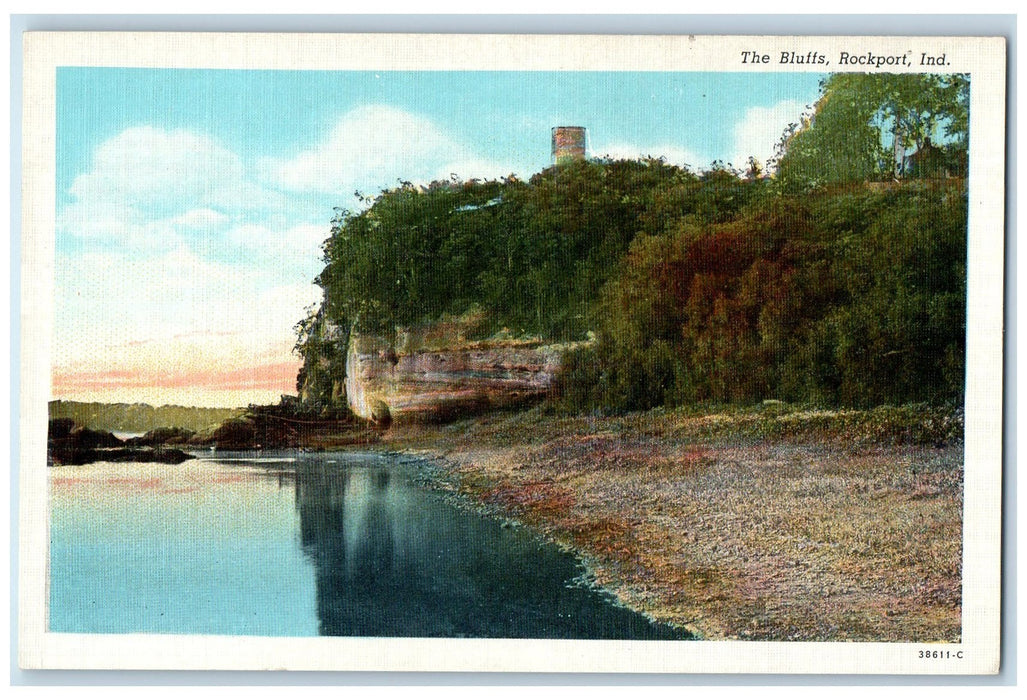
{"points": [[983, 58]]}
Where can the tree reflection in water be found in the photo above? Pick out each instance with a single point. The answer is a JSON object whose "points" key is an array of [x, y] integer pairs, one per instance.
{"points": [[393, 560]]}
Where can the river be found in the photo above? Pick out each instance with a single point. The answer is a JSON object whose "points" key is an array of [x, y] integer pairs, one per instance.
{"points": [[300, 544]]}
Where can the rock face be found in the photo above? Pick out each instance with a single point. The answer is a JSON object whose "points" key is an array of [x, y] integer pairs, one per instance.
{"points": [[68, 443], [422, 384]]}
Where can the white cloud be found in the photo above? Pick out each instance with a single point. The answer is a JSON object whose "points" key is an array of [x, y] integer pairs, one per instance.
{"points": [[673, 154], [295, 248], [373, 147], [203, 218], [148, 168], [145, 174], [174, 256], [174, 253], [471, 167], [178, 307], [759, 130]]}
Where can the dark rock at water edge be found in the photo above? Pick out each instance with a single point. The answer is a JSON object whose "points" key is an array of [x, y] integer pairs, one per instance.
{"points": [[60, 428], [236, 434], [133, 454], [119, 454], [163, 436], [66, 432], [275, 427], [69, 443]]}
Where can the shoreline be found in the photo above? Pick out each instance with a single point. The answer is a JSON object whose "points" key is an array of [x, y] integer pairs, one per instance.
{"points": [[766, 523], [726, 533], [435, 473]]}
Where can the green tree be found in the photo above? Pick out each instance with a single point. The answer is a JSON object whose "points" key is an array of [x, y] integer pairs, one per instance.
{"points": [[864, 124], [698, 288]]}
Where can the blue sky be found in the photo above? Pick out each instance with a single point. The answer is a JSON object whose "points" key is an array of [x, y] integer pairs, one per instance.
{"points": [[191, 204]]}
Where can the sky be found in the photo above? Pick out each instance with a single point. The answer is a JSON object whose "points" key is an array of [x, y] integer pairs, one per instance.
{"points": [[192, 204]]}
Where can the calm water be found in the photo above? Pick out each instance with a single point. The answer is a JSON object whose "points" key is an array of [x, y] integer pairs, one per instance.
{"points": [[303, 545]]}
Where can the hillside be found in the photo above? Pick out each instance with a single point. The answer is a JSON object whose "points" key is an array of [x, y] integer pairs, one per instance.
{"points": [[694, 288], [836, 277]]}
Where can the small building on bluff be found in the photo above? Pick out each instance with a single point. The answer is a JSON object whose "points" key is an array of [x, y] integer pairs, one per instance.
{"points": [[569, 144]]}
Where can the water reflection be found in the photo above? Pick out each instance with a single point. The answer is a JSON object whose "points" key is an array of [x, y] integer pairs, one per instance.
{"points": [[295, 545], [196, 548], [391, 560]]}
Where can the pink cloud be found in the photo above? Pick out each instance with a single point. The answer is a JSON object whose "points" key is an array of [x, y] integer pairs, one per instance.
{"points": [[276, 376]]}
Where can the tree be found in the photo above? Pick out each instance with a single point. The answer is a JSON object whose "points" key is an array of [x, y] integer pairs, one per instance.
{"points": [[864, 126], [696, 288]]}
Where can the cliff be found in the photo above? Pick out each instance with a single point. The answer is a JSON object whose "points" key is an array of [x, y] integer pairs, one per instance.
{"points": [[412, 380]]}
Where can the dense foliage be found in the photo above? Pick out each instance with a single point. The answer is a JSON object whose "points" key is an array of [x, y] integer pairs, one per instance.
{"points": [[531, 255], [821, 285], [853, 298], [699, 288], [872, 126]]}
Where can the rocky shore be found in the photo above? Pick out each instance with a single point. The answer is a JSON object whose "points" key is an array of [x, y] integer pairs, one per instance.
{"points": [[267, 428], [69, 443], [769, 523], [764, 525]]}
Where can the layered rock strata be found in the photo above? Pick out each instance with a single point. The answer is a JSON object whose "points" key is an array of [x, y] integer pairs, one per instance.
{"points": [[424, 384]]}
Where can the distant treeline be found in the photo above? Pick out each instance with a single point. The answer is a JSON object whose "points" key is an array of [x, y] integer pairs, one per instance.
{"points": [[140, 417], [824, 286]]}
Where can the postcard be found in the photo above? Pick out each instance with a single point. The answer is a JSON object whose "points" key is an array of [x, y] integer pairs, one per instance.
{"points": [[533, 353]]}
